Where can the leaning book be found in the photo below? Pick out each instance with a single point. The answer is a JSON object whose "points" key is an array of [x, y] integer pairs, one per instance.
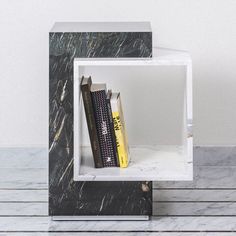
{"points": [[99, 99], [91, 123]]}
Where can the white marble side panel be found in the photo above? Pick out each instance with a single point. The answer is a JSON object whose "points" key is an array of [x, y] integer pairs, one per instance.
{"points": [[171, 195], [156, 224]]}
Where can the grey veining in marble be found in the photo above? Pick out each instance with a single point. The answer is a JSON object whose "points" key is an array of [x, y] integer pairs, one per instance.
{"points": [[23, 157], [215, 156], [23, 178], [23, 195], [163, 226], [196, 195], [123, 234], [159, 208], [67, 197], [205, 177], [194, 208], [159, 224], [214, 167], [23, 209]]}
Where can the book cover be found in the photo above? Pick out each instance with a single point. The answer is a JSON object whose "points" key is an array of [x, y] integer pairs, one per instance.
{"points": [[120, 130], [90, 117], [99, 96]]}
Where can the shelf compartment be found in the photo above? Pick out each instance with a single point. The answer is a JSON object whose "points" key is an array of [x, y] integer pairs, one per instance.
{"points": [[148, 162]]}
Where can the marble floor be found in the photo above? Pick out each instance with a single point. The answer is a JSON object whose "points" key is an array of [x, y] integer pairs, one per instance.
{"points": [[24, 207]]}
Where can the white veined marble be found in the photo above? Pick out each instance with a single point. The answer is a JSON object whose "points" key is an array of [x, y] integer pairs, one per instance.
{"points": [[182, 224], [196, 195], [121, 234], [14, 176], [161, 56], [23, 157], [205, 177], [194, 208], [26, 195], [147, 163], [159, 209]]}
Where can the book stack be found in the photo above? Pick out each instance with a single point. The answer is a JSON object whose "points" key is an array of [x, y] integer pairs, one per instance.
{"points": [[106, 126]]}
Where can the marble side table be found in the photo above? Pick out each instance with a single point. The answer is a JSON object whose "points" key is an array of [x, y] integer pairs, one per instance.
{"points": [[121, 55]]}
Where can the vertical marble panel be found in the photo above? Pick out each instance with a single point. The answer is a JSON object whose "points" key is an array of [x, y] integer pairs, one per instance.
{"points": [[67, 197]]}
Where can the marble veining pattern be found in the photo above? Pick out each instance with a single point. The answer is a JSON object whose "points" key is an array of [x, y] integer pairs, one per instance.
{"points": [[17, 200], [156, 224], [67, 197], [205, 177], [92, 44], [194, 208], [164, 163], [215, 156], [194, 195], [159, 209]]}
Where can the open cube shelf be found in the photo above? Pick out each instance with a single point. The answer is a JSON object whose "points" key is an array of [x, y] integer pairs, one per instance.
{"points": [[156, 155]]}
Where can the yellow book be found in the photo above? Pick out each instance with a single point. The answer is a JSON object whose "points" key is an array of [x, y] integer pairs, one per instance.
{"points": [[120, 131]]}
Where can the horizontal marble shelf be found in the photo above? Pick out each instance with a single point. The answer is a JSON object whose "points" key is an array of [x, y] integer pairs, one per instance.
{"points": [[148, 163]]}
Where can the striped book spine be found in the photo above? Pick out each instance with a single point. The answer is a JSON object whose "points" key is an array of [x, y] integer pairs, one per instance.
{"points": [[103, 127]]}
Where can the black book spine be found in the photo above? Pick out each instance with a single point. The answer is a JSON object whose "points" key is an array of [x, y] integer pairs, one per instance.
{"points": [[103, 128], [111, 123], [90, 117]]}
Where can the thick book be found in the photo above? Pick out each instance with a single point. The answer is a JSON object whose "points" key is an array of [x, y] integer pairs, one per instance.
{"points": [[99, 98], [91, 123], [120, 130]]}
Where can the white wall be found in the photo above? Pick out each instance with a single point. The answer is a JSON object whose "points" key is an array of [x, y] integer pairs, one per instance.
{"points": [[207, 28]]}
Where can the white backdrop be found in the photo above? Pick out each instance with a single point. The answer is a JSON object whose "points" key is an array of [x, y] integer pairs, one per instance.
{"points": [[206, 28]]}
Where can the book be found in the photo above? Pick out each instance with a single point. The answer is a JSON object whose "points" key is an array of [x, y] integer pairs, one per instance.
{"points": [[90, 117], [99, 97], [120, 130], [111, 123]]}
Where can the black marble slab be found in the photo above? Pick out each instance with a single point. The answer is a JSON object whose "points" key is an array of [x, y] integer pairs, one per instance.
{"points": [[67, 197]]}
